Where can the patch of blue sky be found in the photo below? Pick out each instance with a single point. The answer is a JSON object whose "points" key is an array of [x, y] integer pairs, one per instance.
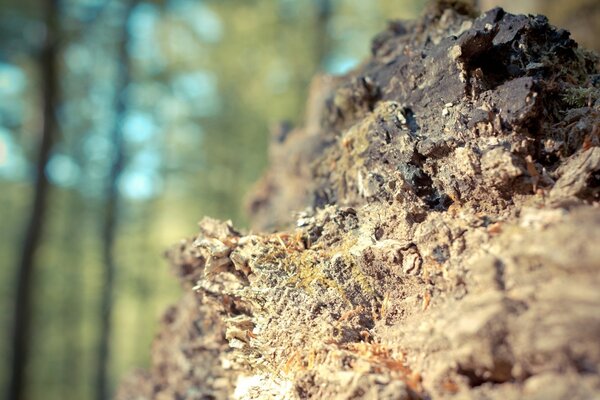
{"points": [[63, 171], [139, 185], [139, 127], [200, 88], [13, 164], [205, 23], [147, 160], [339, 65], [195, 85], [12, 80], [143, 27], [143, 20]]}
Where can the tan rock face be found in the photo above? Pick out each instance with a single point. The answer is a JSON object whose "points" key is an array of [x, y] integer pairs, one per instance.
{"points": [[444, 243]]}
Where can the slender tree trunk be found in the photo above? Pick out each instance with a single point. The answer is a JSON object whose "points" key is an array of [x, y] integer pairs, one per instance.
{"points": [[23, 313], [324, 11], [73, 296], [109, 227], [145, 305]]}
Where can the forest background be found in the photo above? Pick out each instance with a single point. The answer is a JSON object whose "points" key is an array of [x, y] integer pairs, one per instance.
{"points": [[122, 123]]}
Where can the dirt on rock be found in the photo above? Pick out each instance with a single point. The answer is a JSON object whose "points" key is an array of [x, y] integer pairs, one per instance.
{"points": [[433, 232]]}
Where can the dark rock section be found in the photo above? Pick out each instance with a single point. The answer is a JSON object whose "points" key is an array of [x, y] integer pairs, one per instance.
{"points": [[497, 83]]}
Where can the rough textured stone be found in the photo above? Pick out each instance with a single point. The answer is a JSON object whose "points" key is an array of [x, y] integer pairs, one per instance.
{"points": [[438, 233]]}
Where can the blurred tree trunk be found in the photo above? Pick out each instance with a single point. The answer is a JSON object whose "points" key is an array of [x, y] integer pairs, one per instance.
{"points": [[73, 296], [324, 10], [111, 211], [146, 282], [23, 313]]}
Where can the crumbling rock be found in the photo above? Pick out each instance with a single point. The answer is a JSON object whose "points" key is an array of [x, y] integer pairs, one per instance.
{"points": [[438, 224]]}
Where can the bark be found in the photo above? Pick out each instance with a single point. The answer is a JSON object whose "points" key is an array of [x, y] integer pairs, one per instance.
{"points": [[25, 280], [74, 221]]}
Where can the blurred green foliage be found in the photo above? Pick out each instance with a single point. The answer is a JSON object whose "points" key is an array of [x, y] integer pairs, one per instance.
{"points": [[208, 78]]}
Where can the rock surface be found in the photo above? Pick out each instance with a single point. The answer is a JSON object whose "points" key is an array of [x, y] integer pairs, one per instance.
{"points": [[436, 227]]}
